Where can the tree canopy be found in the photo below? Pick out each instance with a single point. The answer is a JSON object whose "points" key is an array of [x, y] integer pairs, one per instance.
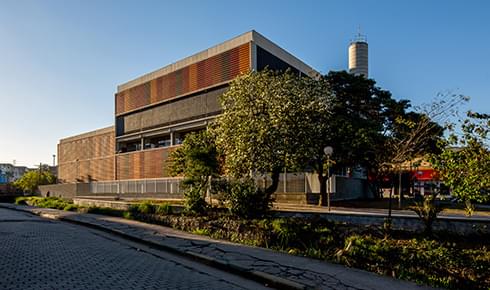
{"points": [[273, 121], [464, 164], [270, 121], [31, 180], [198, 161], [366, 119]]}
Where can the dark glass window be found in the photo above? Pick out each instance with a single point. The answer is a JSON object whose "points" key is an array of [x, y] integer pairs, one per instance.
{"points": [[130, 146], [267, 59], [159, 141]]}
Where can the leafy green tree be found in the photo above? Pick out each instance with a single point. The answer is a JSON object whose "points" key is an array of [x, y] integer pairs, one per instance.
{"points": [[31, 180], [268, 124], [198, 161], [365, 120], [464, 164], [364, 115], [319, 129]]}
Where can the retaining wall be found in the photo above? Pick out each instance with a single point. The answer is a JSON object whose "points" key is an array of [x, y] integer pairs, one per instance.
{"points": [[456, 225]]}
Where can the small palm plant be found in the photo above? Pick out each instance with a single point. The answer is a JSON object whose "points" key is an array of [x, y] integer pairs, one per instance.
{"points": [[427, 211]]}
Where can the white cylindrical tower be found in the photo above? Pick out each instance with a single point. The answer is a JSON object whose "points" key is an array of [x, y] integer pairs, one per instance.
{"points": [[358, 56]]}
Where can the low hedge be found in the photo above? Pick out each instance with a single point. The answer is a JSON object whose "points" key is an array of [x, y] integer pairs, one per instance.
{"points": [[423, 261], [46, 202]]}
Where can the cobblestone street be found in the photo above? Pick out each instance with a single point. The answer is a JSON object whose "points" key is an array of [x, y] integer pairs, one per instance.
{"points": [[37, 253]]}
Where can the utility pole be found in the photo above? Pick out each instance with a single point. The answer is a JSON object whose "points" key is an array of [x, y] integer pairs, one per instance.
{"points": [[39, 175]]}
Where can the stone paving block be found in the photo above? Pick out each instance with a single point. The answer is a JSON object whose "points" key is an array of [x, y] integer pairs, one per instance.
{"points": [[39, 254]]}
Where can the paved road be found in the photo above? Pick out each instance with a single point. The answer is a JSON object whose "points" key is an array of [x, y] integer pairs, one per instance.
{"points": [[36, 253]]}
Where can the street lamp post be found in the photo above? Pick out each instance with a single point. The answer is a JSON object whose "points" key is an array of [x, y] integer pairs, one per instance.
{"points": [[328, 150]]}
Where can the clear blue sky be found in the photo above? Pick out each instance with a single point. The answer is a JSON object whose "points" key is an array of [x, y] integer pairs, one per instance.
{"points": [[60, 61]]}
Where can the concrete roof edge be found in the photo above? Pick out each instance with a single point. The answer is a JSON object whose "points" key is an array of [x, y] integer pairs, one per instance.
{"points": [[249, 36], [88, 134], [283, 54]]}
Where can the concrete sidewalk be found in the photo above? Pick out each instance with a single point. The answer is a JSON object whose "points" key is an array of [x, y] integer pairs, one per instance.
{"points": [[315, 209], [276, 269]]}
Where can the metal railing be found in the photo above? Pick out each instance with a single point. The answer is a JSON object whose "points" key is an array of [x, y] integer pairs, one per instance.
{"points": [[288, 183], [140, 186]]}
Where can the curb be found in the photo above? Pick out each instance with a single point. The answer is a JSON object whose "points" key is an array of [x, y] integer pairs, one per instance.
{"points": [[261, 277]]}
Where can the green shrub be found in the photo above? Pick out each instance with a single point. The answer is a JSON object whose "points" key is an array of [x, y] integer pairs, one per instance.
{"points": [[285, 232], [423, 261], [202, 232], [21, 200], [133, 209], [303, 235], [146, 208], [243, 198], [46, 202], [163, 209], [194, 201], [427, 212], [70, 207], [128, 215]]}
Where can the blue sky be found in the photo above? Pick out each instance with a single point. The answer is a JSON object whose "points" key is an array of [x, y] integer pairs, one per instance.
{"points": [[60, 61]]}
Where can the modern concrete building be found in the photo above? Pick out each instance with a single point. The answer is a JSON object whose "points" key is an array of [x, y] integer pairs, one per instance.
{"points": [[154, 112]]}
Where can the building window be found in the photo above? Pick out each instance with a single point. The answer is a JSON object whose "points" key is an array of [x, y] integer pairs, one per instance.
{"points": [[156, 142], [130, 146], [180, 136]]}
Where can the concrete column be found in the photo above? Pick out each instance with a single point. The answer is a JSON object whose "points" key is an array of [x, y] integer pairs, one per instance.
{"points": [[253, 56]]}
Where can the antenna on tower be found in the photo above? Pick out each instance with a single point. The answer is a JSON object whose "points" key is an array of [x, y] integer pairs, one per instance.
{"points": [[359, 36]]}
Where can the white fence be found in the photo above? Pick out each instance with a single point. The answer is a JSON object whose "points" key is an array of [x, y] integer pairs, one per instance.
{"points": [[297, 182], [160, 185]]}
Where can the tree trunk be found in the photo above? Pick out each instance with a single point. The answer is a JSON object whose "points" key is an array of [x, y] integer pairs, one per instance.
{"points": [[323, 184], [323, 189], [400, 189], [275, 182], [389, 201]]}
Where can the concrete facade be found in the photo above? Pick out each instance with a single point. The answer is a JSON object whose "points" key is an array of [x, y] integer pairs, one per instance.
{"points": [[87, 157], [358, 58]]}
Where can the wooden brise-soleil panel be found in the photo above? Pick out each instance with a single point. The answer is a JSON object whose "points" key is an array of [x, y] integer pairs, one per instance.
{"points": [[143, 164], [85, 159], [214, 70]]}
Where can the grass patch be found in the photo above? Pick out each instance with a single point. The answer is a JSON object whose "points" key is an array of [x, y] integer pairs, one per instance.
{"points": [[202, 232]]}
